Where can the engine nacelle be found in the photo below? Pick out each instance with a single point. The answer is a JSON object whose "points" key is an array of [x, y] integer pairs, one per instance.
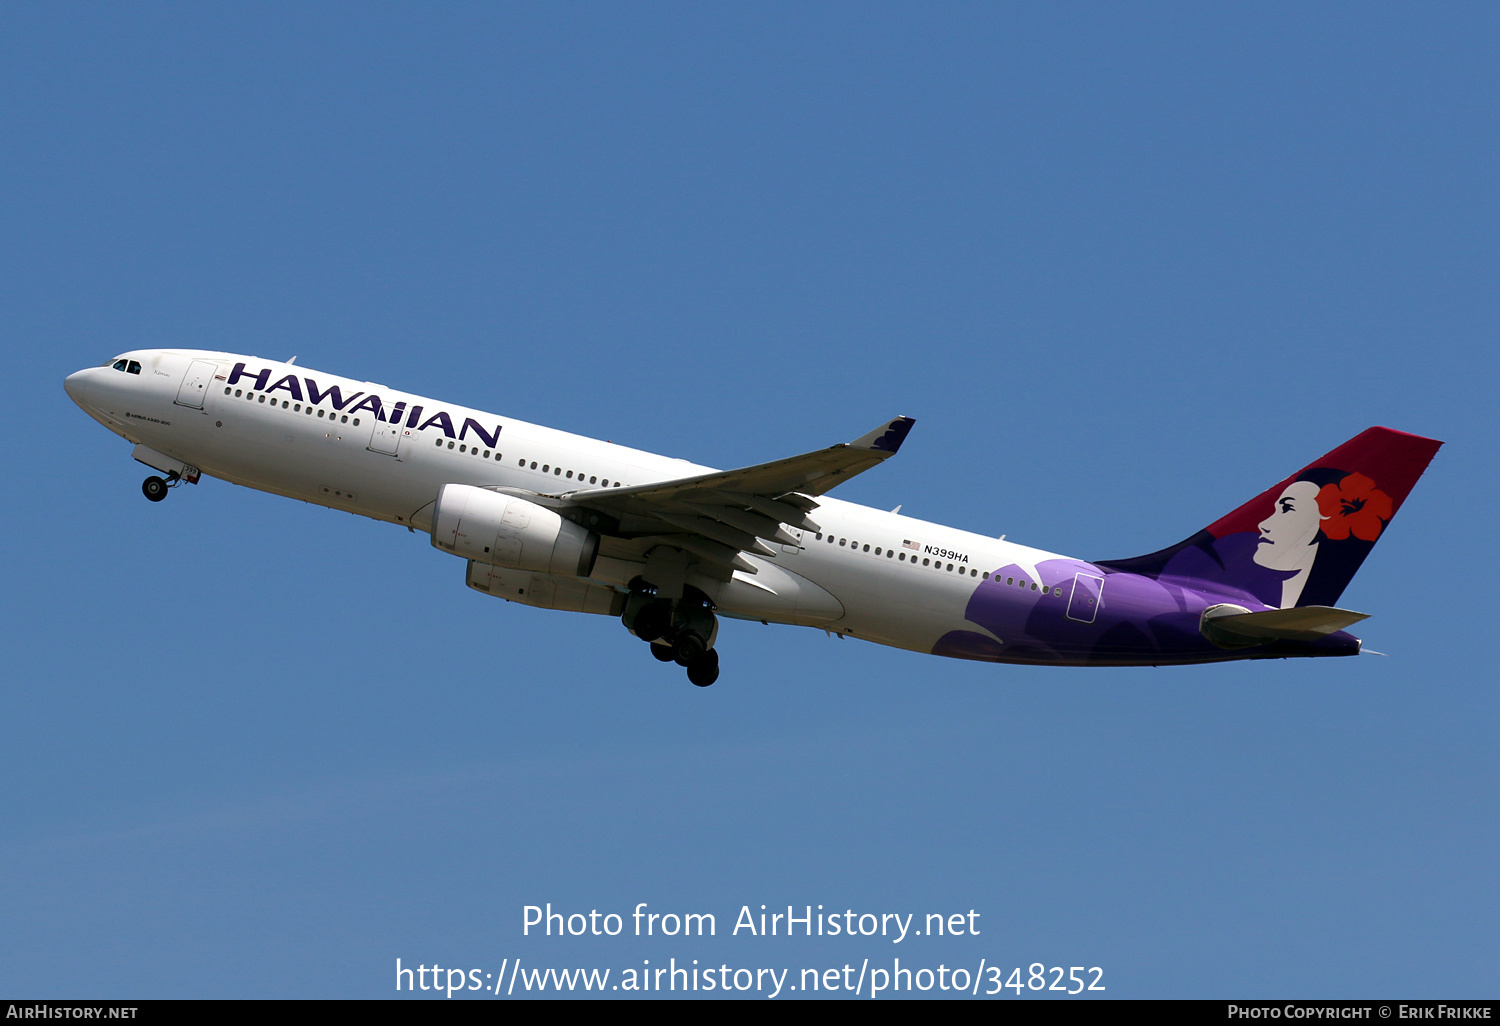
{"points": [[545, 590], [502, 530]]}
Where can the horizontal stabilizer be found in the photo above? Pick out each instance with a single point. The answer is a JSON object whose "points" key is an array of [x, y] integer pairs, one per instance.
{"points": [[1231, 626]]}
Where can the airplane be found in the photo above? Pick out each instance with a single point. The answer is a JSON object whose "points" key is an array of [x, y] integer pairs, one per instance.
{"points": [[559, 521]]}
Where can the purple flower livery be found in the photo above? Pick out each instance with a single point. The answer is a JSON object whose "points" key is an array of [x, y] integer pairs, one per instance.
{"points": [[1297, 544]]}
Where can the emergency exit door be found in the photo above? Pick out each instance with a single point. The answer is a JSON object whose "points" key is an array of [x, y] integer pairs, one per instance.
{"points": [[386, 438], [1088, 590]]}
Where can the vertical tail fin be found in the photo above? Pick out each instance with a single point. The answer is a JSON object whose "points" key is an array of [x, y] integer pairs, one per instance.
{"points": [[1300, 542]]}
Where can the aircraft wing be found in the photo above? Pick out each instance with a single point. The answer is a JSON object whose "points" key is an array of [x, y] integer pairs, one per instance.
{"points": [[717, 516]]}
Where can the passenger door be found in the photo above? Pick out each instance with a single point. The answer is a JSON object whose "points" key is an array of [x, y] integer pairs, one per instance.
{"points": [[195, 382]]}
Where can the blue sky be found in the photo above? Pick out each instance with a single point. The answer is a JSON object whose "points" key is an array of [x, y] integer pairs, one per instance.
{"points": [[1126, 266]]}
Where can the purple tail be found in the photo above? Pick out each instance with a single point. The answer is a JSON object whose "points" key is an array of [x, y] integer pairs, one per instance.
{"points": [[1300, 542]]}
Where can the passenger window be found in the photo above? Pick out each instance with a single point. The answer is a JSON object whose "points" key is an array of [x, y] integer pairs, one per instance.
{"points": [[439, 443], [866, 548], [877, 550], [557, 470], [605, 482], [986, 575], [842, 542], [486, 454], [237, 393], [262, 399], [1010, 580], [297, 408], [463, 448], [926, 561], [226, 389], [320, 414], [343, 420], [450, 445], [902, 557], [1033, 586], [889, 553], [593, 479], [533, 464]]}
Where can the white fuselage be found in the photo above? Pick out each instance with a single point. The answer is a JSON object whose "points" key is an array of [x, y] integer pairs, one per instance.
{"points": [[360, 447]]}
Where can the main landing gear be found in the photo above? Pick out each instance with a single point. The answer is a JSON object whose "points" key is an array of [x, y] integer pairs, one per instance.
{"points": [[681, 632]]}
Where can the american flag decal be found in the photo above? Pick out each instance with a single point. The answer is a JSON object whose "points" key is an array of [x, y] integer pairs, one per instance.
{"points": [[907, 543]]}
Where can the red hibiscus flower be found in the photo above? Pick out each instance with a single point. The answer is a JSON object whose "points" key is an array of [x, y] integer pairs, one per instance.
{"points": [[1353, 506]]}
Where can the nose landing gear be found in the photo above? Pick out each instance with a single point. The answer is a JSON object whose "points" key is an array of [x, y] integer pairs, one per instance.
{"points": [[155, 488], [682, 631]]}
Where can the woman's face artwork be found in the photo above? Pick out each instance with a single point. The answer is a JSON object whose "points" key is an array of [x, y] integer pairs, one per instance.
{"points": [[1288, 537]]}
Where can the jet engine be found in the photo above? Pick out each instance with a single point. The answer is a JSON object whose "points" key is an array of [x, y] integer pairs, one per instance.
{"points": [[502, 530]]}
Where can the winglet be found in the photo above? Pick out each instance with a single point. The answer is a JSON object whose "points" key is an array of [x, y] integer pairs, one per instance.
{"points": [[887, 438]]}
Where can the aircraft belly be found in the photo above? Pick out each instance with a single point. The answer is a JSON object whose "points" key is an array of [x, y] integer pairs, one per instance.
{"points": [[259, 449], [905, 613], [776, 593], [889, 603]]}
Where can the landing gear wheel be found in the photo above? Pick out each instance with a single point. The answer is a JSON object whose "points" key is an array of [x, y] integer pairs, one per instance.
{"points": [[704, 670], [664, 653], [687, 647], [653, 621], [154, 488]]}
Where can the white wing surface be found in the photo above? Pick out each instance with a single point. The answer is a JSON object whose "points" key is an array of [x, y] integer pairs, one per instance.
{"points": [[717, 516]]}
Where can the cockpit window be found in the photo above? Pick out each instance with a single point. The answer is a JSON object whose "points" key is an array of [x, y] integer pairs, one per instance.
{"points": [[134, 368], [120, 365]]}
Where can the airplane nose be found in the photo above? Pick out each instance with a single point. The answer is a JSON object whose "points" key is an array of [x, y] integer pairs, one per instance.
{"points": [[77, 387]]}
